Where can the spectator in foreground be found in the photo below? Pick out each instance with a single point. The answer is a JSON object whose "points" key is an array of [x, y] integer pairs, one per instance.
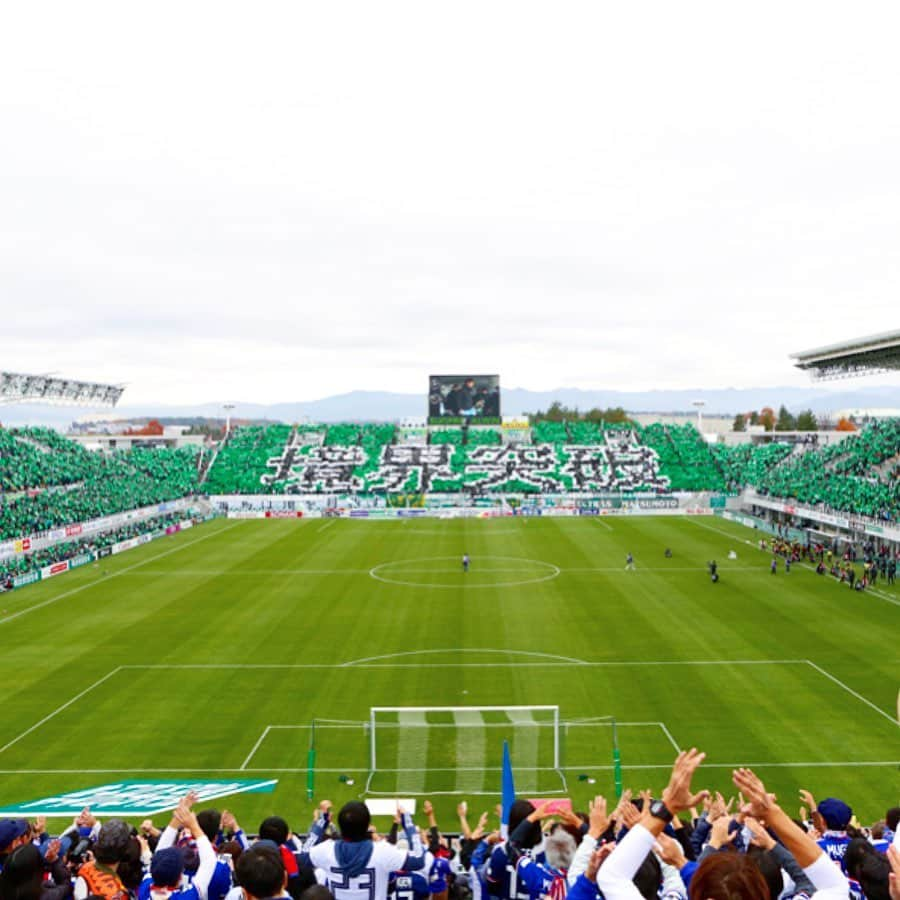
{"points": [[98, 877], [720, 876], [13, 833], [166, 878], [261, 873], [356, 865]]}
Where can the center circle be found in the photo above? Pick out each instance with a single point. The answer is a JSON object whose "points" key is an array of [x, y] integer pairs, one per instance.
{"points": [[447, 572]]}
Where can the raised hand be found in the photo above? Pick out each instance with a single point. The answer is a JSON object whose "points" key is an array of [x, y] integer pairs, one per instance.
{"points": [[669, 851], [808, 800], [678, 795], [717, 807], [759, 803], [52, 854], [599, 820], [544, 811], [569, 817], [624, 800], [720, 834], [631, 816], [760, 837]]}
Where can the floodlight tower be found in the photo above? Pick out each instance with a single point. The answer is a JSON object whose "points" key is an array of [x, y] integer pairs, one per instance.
{"points": [[16, 387], [228, 407], [699, 404]]}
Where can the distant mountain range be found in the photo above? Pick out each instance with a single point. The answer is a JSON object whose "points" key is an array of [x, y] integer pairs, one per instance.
{"points": [[386, 406]]}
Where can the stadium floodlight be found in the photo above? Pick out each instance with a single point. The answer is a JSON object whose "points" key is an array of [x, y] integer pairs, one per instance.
{"points": [[698, 405], [228, 407], [16, 387], [457, 749]]}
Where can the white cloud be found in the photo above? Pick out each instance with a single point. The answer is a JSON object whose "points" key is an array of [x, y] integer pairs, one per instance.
{"points": [[288, 201]]}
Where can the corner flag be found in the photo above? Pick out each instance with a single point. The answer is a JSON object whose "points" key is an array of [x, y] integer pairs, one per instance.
{"points": [[509, 792]]}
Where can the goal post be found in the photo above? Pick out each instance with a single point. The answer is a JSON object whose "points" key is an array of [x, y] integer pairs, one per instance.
{"points": [[457, 749]]}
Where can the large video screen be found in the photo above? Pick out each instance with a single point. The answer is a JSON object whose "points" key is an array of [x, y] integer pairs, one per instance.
{"points": [[454, 398]]}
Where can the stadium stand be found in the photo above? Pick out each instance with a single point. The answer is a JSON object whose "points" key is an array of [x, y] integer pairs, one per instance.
{"points": [[684, 457], [858, 475], [693, 845], [447, 436], [483, 437], [748, 463], [244, 457], [39, 457], [48, 481], [65, 550], [550, 433]]}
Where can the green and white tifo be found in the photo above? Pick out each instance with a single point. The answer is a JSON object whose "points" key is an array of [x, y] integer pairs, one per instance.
{"points": [[234, 648]]}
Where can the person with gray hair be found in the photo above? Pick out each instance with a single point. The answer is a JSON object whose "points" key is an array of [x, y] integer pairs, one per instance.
{"points": [[559, 849]]}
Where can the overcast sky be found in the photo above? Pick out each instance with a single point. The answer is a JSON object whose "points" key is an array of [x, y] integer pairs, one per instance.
{"points": [[281, 202]]}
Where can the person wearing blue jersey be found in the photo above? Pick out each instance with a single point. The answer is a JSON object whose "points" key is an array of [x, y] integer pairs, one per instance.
{"points": [[512, 871], [440, 876], [475, 848], [356, 866], [465, 562], [836, 816], [220, 884], [410, 885], [167, 880]]}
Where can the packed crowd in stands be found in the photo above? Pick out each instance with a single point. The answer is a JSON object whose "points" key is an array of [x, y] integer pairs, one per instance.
{"points": [[858, 475], [681, 844], [47, 481], [22, 564]]}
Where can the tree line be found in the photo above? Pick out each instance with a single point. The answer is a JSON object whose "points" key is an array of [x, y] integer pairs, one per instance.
{"points": [[559, 412], [784, 420]]}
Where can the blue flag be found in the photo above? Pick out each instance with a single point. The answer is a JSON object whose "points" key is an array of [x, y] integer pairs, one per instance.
{"points": [[509, 792]]}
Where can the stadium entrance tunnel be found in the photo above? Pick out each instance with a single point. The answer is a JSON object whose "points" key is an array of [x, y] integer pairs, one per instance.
{"points": [[447, 572]]}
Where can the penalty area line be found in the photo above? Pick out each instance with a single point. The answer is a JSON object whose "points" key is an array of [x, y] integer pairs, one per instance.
{"points": [[59, 709], [853, 693]]}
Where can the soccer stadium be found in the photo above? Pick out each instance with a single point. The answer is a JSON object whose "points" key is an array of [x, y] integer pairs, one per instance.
{"points": [[567, 575], [399, 601]]}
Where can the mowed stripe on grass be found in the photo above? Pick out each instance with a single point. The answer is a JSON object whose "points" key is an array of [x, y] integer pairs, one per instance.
{"points": [[287, 593]]}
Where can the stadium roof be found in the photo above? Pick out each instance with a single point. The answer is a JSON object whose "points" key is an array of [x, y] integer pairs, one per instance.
{"points": [[860, 356], [18, 388]]}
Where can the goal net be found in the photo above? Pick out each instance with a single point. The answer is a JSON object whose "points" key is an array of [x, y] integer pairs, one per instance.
{"points": [[458, 749]]}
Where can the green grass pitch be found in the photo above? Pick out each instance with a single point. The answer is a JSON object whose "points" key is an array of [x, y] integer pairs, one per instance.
{"points": [[209, 654]]}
